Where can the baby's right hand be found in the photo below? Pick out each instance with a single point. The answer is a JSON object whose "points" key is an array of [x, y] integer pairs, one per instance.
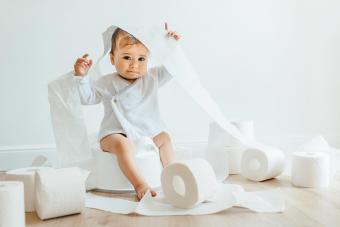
{"points": [[82, 65]]}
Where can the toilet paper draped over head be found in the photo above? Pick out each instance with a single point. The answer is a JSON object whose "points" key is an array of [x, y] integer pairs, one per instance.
{"points": [[66, 112]]}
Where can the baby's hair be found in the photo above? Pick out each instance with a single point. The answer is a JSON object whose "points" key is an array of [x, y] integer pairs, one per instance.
{"points": [[122, 38]]}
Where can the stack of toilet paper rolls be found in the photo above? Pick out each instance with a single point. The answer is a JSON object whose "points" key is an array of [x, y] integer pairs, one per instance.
{"points": [[48, 191]]}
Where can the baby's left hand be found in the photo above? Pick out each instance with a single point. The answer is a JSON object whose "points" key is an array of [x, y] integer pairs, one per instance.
{"points": [[172, 33]]}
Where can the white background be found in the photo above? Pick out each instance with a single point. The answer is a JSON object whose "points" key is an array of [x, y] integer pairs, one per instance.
{"points": [[275, 62]]}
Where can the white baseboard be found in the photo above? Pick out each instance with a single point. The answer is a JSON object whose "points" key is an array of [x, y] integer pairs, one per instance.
{"points": [[12, 157]]}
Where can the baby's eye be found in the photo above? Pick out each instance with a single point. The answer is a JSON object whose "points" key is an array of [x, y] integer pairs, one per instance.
{"points": [[127, 57], [141, 59]]}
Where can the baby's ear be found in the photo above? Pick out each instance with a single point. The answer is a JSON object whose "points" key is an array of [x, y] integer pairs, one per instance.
{"points": [[112, 59]]}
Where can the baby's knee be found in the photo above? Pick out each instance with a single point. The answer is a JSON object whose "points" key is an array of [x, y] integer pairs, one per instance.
{"points": [[115, 143], [162, 138], [166, 137]]}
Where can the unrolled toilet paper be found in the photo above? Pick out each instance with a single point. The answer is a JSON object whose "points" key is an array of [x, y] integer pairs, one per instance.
{"points": [[59, 192], [310, 169], [190, 188], [12, 205], [262, 162], [27, 176], [187, 183]]}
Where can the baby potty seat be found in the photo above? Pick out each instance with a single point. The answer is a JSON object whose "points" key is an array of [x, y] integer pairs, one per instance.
{"points": [[109, 176]]}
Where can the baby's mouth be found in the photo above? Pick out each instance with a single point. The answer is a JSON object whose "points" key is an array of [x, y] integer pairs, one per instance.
{"points": [[132, 72]]}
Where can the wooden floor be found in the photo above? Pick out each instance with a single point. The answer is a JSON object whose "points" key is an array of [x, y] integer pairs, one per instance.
{"points": [[304, 207]]}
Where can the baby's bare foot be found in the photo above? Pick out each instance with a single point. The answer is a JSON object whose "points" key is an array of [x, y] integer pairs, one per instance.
{"points": [[141, 189]]}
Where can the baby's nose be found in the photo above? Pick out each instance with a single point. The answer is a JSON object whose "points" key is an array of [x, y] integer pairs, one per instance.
{"points": [[134, 63]]}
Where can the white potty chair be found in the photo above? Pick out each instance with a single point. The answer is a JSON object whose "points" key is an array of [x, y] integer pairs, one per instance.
{"points": [[109, 176]]}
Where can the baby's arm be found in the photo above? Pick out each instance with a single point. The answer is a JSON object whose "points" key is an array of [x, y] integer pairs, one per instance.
{"points": [[88, 94]]}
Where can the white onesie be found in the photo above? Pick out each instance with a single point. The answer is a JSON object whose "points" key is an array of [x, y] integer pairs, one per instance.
{"points": [[137, 102]]}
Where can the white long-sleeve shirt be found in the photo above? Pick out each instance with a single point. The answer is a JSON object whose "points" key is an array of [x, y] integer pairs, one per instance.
{"points": [[137, 102]]}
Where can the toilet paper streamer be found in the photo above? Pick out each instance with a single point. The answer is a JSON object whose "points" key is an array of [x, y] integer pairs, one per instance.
{"points": [[310, 169], [59, 192], [262, 162], [27, 177], [192, 198], [12, 205]]}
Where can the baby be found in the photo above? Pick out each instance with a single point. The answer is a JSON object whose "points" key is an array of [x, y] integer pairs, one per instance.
{"points": [[134, 89]]}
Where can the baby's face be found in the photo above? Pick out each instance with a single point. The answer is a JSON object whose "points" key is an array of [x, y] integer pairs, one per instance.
{"points": [[131, 61]]}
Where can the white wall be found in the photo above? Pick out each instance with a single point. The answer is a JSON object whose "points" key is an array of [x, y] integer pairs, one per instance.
{"points": [[276, 62]]}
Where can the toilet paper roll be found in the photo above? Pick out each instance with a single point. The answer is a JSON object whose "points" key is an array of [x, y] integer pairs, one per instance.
{"points": [[187, 183], [262, 162], [59, 192], [12, 205], [310, 169], [27, 177], [234, 156]]}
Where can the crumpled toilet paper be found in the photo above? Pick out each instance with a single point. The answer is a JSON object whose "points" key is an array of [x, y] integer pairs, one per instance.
{"points": [[193, 197]]}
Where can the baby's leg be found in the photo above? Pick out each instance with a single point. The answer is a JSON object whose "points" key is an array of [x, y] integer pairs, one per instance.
{"points": [[166, 151], [122, 147]]}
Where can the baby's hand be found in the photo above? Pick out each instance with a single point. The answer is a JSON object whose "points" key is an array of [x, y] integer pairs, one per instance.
{"points": [[82, 65], [171, 33]]}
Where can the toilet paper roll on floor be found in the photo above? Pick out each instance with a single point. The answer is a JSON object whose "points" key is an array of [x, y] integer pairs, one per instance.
{"points": [[311, 169], [59, 192], [224, 151], [234, 156], [262, 162], [188, 183], [12, 205], [27, 176]]}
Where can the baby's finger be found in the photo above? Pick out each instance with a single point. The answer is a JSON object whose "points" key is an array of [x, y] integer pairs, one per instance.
{"points": [[139, 196], [80, 60], [85, 55], [84, 65], [166, 26], [153, 193], [90, 63]]}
